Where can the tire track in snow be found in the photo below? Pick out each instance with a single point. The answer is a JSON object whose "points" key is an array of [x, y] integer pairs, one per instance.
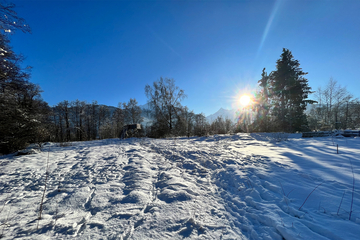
{"points": [[138, 190], [193, 170], [153, 159]]}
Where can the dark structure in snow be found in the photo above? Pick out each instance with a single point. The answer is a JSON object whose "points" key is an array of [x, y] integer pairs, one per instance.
{"points": [[351, 133], [133, 127], [345, 133]]}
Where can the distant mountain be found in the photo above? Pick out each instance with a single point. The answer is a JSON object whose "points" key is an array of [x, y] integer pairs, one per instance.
{"points": [[145, 106], [224, 113], [146, 118], [147, 121]]}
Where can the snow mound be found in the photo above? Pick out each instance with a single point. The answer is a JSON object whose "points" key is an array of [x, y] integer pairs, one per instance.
{"points": [[170, 196], [136, 197]]}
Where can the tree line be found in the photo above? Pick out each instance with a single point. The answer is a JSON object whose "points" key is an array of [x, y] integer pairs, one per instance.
{"points": [[82, 121]]}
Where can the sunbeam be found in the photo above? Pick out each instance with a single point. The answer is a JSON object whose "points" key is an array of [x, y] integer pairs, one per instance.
{"points": [[268, 25]]}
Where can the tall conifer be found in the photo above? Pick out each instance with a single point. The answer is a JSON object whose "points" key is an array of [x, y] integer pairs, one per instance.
{"points": [[290, 90]]}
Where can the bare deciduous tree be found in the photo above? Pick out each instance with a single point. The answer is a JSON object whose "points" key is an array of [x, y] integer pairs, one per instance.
{"points": [[332, 108], [10, 21], [132, 112], [164, 99]]}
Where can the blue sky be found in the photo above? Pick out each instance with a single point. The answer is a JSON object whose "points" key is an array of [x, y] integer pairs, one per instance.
{"points": [[214, 50]]}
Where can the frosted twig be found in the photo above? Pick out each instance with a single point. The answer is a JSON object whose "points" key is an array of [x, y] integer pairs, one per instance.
{"points": [[43, 196], [341, 202], [310, 194], [353, 188]]}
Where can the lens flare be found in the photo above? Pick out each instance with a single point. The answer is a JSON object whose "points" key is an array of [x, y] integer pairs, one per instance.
{"points": [[245, 100]]}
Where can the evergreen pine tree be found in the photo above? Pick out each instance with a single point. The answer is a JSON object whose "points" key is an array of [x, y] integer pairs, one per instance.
{"points": [[262, 105], [289, 91]]}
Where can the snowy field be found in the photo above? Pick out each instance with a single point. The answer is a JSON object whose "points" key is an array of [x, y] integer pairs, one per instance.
{"points": [[245, 186]]}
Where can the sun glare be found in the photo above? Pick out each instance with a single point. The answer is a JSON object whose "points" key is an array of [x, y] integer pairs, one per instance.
{"points": [[245, 100]]}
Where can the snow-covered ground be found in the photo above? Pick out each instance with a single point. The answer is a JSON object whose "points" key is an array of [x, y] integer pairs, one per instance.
{"points": [[244, 186]]}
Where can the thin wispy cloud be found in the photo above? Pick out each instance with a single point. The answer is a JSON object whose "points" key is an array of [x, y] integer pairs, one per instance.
{"points": [[162, 41], [269, 24]]}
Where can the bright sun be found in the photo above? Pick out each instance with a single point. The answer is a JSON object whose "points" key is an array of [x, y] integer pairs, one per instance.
{"points": [[245, 100]]}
